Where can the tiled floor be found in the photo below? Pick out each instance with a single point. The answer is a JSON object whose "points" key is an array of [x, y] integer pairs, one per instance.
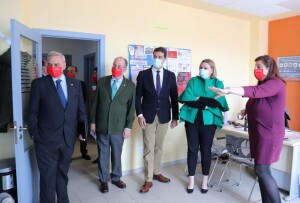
{"points": [[84, 186]]}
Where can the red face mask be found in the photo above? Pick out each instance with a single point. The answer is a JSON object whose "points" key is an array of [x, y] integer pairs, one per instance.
{"points": [[258, 73], [71, 75], [55, 72], [116, 72], [94, 77]]}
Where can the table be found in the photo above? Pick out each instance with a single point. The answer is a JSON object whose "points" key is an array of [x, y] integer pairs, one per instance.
{"points": [[286, 171]]}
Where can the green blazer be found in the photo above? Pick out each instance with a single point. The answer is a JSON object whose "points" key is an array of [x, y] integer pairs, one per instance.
{"points": [[198, 87], [112, 116]]}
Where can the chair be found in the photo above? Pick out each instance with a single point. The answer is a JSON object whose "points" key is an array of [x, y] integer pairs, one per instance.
{"points": [[238, 149], [216, 151]]}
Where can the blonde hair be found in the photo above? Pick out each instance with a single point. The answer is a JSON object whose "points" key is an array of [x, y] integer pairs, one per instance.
{"points": [[212, 66]]}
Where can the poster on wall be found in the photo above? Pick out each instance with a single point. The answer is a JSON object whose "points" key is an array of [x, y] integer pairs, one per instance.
{"points": [[178, 61], [289, 67]]}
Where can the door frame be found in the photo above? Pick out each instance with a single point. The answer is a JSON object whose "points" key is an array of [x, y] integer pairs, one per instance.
{"points": [[26, 166], [100, 39], [88, 80]]}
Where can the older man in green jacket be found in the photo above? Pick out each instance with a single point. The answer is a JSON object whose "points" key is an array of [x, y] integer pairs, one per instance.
{"points": [[112, 116]]}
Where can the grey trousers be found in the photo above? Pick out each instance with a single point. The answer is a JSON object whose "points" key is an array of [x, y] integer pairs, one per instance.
{"points": [[109, 144]]}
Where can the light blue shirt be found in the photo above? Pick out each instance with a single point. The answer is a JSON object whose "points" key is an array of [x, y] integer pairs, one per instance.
{"points": [[119, 82], [63, 84], [161, 74]]}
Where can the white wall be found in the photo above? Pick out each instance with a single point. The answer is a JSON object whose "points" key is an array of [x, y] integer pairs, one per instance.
{"points": [[231, 42]]}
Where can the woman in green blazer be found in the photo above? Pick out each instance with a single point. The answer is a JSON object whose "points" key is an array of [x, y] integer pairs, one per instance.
{"points": [[202, 115]]}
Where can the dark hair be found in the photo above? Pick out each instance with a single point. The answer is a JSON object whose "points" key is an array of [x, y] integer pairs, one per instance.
{"points": [[161, 49], [74, 67], [271, 64], [44, 63]]}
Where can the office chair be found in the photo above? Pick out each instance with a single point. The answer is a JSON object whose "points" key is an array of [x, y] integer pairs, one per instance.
{"points": [[238, 149]]}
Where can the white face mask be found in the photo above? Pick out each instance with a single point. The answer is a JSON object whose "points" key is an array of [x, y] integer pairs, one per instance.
{"points": [[157, 63], [204, 73]]}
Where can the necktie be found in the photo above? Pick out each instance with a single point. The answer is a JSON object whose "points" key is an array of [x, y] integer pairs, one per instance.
{"points": [[114, 89], [158, 87], [61, 93]]}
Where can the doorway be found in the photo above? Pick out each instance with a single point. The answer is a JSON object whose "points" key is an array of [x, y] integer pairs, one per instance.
{"points": [[89, 66], [29, 40]]}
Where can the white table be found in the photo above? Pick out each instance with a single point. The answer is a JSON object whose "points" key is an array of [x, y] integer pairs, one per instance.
{"points": [[286, 171]]}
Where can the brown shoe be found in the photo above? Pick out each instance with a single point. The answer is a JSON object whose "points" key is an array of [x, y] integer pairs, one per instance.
{"points": [[145, 188], [161, 178]]}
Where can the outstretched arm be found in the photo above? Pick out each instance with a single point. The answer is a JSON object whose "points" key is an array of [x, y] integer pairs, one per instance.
{"points": [[228, 90]]}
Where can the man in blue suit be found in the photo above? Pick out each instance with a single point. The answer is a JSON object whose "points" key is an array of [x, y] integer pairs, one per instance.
{"points": [[156, 96], [55, 107]]}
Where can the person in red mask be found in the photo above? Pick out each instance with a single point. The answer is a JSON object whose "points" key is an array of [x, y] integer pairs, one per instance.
{"points": [[265, 113], [112, 116], [56, 106], [72, 72]]}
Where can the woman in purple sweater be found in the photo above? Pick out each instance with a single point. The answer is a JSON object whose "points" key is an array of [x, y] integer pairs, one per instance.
{"points": [[265, 112]]}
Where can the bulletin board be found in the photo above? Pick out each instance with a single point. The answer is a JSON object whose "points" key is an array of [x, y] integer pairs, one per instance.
{"points": [[178, 61], [289, 67]]}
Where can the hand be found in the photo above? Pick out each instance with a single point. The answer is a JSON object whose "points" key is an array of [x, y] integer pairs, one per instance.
{"points": [[93, 127], [219, 92], [126, 133], [81, 138], [243, 112], [142, 122], [241, 115], [173, 123]]}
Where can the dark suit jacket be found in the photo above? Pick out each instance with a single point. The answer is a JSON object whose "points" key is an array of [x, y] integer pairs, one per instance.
{"points": [[112, 116], [149, 103], [48, 121]]}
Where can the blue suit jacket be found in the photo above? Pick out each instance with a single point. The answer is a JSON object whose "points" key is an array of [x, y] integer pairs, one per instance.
{"points": [[149, 103], [48, 121]]}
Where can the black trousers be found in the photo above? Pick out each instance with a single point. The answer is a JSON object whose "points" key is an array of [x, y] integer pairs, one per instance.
{"points": [[83, 149], [199, 135], [53, 163]]}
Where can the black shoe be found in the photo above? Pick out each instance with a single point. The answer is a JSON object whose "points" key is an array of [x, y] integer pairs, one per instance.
{"points": [[86, 157], [104, 187], [204, 190], [189, 190], [119, 184], [95, 161]]}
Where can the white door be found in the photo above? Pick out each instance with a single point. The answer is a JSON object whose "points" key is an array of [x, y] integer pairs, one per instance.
{"points": [[26, 57]]}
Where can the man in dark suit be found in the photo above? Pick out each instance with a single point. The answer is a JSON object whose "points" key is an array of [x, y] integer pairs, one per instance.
{"points": [[55, 107], [156, 95], [112, 116], [72, 72]]}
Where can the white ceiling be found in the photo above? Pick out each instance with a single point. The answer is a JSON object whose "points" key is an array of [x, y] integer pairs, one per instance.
{"points": [[262, 8], [265, 9]]}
